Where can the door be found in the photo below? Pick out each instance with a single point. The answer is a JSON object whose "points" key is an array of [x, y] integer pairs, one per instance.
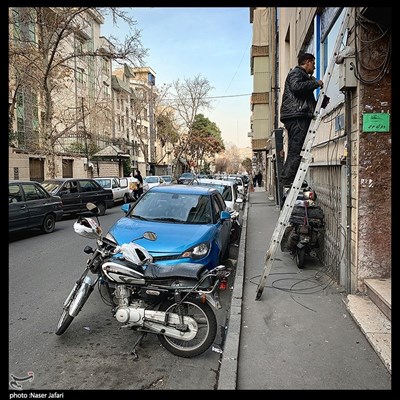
{"points": [[18, 213], [224, 227], [71, 198], [89, 192], [36, 200], [36, 169], [67, 168]]}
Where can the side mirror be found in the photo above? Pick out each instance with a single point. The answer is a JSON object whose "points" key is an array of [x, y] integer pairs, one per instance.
{"points": [[125, 208], [225, 215]]}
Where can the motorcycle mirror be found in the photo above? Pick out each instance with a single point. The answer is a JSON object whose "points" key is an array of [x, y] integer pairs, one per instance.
{"points": [[92, 207], [150, 235]]}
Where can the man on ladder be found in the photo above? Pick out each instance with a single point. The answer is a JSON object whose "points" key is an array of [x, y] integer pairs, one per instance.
{"points": [[297, 110]]}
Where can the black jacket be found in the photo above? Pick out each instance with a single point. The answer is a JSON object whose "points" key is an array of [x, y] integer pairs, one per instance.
{"points": [[298, 99]]}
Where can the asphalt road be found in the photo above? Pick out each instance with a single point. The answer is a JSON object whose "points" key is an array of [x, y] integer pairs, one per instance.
{"points": [[94, 353]]}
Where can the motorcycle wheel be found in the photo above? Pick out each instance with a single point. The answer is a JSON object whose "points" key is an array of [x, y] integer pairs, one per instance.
{"points": [[64, 322], [207, 329], [300, 257], [65, 319]]}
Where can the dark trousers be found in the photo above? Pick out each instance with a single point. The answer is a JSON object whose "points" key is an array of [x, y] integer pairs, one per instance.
{"points": [[297, 131]]}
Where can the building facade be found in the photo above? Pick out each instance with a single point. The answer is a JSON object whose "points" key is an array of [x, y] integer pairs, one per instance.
{"points": [[87, 106], [351, 166]]}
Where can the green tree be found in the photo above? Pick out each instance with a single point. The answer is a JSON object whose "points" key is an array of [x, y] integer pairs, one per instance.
{"points": [[206, 141]]}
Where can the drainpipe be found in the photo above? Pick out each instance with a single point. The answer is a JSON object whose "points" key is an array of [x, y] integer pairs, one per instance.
{"points": [[347, 125], [276, 91]]}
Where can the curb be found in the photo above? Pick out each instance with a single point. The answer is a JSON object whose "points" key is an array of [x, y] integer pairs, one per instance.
{"points": [[228, 370]]}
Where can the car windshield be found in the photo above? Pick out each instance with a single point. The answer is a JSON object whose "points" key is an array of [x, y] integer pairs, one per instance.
{"points": [[167, 178], [151, 179], [187, 175], [172, 207], [51, 186]]}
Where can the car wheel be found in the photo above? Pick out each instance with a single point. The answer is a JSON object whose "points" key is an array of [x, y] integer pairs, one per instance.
{"points": [[48, 224], [102, 208]]}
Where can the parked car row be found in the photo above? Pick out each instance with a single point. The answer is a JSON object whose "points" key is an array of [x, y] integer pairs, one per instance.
{"points": [[192, 222], [35, 205]]}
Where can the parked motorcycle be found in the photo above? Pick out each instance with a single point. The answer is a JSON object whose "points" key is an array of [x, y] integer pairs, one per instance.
{"points": [[304, 232], [235, 227], [174, 302]]}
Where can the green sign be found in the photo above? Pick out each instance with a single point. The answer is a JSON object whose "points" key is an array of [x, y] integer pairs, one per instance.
{"points": [[377, 122]]}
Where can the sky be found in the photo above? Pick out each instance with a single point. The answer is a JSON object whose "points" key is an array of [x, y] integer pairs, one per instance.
{"points": [[213, 42]]}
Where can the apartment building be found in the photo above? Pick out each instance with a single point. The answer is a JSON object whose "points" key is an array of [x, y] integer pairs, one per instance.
{"points": [[351, 153], [351, 167], [86, 107]]}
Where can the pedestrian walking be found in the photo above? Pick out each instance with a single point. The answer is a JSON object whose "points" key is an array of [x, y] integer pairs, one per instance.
{"points": [[259, 178], [139, 190], [254, 180], [297, 111]]}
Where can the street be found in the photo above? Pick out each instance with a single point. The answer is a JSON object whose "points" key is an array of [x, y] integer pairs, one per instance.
{"points": [[94, 353]]}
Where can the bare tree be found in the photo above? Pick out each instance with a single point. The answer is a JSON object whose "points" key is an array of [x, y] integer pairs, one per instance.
{"points": [[43, 56], [221, 164], [189, 99]]}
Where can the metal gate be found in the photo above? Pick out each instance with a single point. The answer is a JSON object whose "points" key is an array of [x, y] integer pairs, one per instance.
{"points": [[326, 181]]}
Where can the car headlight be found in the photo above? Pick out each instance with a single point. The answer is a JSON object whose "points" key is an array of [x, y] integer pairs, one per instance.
{"points": [[197, 252]]}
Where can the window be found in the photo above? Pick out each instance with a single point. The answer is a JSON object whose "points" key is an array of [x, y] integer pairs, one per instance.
{"points": [[33, 192], [330, 22], [16, 24], [105, 92], [70, 187], [79, 47], [80, 75], [227, 193], [14, 194], [218, 205], [23, 21], [87, 186], [106, 66]]}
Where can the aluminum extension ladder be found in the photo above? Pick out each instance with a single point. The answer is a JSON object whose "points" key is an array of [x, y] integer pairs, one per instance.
{"points": [[287, 209]]}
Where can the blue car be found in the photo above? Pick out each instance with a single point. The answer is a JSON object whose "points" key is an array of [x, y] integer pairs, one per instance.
{"points": [[191, 223]]}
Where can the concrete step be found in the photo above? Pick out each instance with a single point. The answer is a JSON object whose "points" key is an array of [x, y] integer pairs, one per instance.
{"points": [[380, 292], [376, 327]]}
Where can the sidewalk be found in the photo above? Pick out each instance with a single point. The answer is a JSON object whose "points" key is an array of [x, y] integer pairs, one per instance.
{"points": [[299, 334]]}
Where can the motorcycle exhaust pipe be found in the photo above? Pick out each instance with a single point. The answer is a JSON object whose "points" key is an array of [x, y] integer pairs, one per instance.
{"points": [[84, 290]]}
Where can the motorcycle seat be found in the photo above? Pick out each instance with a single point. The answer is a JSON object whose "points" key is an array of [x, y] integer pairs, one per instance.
{"points": [[183, 270]]}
